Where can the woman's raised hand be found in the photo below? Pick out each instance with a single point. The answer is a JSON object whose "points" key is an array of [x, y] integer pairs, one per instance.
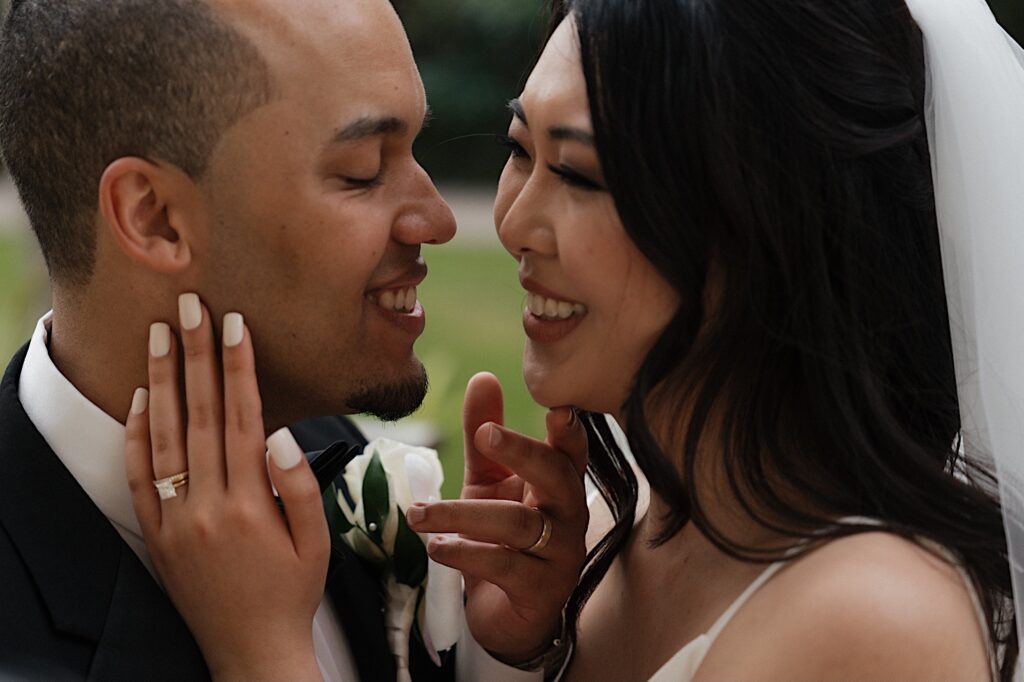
{"points": [[246, 579], [521, 525]]}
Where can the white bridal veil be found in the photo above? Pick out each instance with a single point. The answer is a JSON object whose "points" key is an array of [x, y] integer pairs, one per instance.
{"points": [[975, 120]]}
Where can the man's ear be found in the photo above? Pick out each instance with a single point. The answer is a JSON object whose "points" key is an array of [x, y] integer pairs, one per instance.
{"points": [[146, 208]]}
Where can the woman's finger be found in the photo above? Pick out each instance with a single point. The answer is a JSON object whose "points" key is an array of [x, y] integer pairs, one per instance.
{"points": [[300, 494], [501, 522], [517, 574], [203, 399], [243, 410], [494, 521], [166, 424], [566, 434], [549, 472], [483, 404], [138, 460]]}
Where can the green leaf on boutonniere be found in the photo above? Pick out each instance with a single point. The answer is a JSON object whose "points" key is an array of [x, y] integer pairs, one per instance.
{"points": [[336, 519], [376, 501], [410, 559]]}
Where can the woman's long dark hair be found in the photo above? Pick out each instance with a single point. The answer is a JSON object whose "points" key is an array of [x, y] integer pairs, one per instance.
{"points": [[777, 148]]}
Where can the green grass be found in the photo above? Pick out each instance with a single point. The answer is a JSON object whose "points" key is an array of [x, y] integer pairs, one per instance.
{"points": [[474, 323]]}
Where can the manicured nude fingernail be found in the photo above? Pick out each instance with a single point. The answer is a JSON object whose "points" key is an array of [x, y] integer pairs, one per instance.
{"points": [[140, 401], [189, 311], [234, 329], [495, 436], [415, 514], [285, 452], [159, 339], [436, 543]]}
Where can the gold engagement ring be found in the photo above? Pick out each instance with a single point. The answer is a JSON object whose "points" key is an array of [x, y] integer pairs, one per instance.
{"points": [[168, 487]]}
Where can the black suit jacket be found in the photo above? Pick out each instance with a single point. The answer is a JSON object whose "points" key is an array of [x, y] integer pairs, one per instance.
{"points": [[76, 603]]}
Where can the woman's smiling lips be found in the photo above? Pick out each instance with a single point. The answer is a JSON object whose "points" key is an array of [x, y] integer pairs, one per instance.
{"points": [[549, 317]]}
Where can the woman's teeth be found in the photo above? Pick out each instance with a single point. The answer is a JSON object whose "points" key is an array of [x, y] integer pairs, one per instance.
{"points": [[552, 309], [398, 300]]}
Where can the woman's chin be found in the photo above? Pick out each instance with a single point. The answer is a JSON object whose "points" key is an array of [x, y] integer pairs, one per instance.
{"points": [[552, 388], [545, 387]]}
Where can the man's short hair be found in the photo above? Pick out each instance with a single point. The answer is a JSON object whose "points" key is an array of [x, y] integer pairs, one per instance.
{"points": [[85, 82]]}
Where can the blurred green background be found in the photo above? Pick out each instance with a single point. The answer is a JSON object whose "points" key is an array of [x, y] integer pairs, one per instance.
{"points": [[473, 55]]}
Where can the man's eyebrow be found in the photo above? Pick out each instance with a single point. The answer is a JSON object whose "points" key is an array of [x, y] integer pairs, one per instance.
{"points": [[371, 126], [516, 107], [374, 126]]}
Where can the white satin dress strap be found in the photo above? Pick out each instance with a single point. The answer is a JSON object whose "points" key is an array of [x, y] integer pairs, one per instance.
{"points": [[683, 666]]}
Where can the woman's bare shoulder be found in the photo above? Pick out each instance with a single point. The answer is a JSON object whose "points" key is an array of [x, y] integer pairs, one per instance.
{"points": [[872, 606]]}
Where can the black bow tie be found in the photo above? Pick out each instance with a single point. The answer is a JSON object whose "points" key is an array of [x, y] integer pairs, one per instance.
{"points": [[328, 464]]}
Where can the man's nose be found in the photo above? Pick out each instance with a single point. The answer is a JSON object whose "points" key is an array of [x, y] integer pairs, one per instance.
{"points": [[429, 219]]}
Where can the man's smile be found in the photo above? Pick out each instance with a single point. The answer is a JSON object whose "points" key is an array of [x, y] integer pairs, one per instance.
{"points": [[399, 300]]}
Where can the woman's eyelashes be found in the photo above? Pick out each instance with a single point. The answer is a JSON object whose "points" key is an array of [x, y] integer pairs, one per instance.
{"points": [[575, 179], [508, 142], [568, 175]]}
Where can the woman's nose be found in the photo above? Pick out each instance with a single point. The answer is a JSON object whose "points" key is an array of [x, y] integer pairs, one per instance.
{"points": [[523, 219]]}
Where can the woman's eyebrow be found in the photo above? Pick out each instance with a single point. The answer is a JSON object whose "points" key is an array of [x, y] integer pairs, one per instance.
{"points": [[559, 133], [570, 134], [516, 107]]}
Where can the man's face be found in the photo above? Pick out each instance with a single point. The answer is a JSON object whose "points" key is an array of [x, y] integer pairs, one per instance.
{"points": [[317, 210]]}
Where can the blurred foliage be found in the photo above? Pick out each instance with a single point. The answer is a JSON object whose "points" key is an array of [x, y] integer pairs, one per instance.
{"points": [[474, 56]]}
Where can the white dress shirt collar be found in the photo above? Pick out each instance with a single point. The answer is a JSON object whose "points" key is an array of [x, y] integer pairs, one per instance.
{"points": [[88, 441]]}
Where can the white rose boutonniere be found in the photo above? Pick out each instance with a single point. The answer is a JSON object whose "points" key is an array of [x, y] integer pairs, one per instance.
{"points": [[380, 485]]}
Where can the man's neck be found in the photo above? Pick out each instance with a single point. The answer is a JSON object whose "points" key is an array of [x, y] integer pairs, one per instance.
{"points": [[102, 353]]}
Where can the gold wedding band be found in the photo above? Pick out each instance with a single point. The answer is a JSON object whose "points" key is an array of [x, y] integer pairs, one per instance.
{"points": [[168, 487], [545, 535]]}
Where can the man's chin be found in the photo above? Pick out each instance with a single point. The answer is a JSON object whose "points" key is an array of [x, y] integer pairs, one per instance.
{"points": [[393, 401]]}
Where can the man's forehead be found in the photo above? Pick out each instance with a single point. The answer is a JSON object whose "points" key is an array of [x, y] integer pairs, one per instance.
{"points": [[317, 32], [334, 63], [283, 17]]}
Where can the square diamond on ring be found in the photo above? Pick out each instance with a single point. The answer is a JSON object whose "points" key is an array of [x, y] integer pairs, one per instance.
{"points": [[166, 489]]}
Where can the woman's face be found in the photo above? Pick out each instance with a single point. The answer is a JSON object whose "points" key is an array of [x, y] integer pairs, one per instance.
{"points": [[595, 304]]}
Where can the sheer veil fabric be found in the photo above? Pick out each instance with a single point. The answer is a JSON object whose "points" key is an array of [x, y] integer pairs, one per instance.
{"points": [[975, 121]]}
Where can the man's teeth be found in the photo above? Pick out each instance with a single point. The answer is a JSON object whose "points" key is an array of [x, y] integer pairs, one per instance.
{"points": [[398, 300], [552, 309]]}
